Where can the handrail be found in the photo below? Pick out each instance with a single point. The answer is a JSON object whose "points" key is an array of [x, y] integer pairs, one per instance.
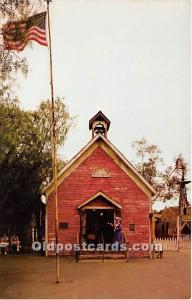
{"points": [[77, 238], [125, 237], [125, 240], [77, 252], [102, 238]]}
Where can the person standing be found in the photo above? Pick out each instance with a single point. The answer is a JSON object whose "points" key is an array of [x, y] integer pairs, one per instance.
{"points": [[118, 230], [4, 243]]}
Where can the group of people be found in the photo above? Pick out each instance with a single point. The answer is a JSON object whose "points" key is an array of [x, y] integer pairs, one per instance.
{"points": [[106, 232], [9, 244]]}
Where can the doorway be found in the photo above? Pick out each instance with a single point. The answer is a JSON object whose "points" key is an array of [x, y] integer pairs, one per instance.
{"points": [[100, 226]]}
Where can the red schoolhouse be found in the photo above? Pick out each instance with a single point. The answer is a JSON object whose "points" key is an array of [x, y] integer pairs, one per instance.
{"points": [[97, 185]]}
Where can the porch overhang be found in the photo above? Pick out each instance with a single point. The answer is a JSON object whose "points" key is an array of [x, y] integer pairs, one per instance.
{"points": [[84, 205]]}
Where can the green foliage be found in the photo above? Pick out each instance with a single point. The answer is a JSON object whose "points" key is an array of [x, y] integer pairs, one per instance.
{"points": [[150, 158], [25, 157], [10, 62], [13, 10], [151, 166]]}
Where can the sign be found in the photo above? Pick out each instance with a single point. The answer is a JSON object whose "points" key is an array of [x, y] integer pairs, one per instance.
{"points": [[100, 172]]}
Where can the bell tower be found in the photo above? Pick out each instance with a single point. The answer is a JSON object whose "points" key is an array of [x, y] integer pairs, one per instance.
{"points": [[99, 124]]}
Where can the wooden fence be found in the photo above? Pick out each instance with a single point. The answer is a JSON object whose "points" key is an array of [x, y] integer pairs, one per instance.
{"points": [[170, 244]]}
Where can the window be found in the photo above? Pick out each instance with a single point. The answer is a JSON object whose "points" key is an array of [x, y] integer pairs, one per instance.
{"points": [[132, 227], [63, 225]]}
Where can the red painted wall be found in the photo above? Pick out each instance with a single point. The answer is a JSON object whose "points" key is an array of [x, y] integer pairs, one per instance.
{"points": [[80, 186]]}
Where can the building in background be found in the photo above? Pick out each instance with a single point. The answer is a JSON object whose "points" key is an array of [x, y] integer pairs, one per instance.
{"points": [[166, 222]]}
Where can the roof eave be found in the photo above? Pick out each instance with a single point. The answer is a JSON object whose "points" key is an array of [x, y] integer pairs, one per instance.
{"points": [[122, 157]]}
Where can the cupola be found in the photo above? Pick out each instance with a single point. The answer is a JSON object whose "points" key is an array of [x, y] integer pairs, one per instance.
{"points": [[99, 124]]}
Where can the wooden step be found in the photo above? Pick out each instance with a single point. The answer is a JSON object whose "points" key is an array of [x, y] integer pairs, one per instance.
{"points": [[89, 256], [99, 255], [101, 252]]}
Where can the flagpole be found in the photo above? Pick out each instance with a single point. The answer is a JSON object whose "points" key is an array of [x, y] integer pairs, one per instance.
{"points": [[54, 149]]}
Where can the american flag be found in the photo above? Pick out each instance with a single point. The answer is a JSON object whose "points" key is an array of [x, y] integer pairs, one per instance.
{"points": [[16, 35]]}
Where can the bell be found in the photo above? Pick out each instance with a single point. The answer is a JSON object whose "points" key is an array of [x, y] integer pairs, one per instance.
{"points": [[99, 128]]}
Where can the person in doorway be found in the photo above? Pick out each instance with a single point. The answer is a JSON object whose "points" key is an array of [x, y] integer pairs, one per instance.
{"points": [[97, 231], [118, 230], [110, 233]]}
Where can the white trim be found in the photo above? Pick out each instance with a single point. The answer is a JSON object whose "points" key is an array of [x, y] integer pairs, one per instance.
{"points": [[100, 193], [126, 162], [98, 207], [71, 162], [117, 152]]}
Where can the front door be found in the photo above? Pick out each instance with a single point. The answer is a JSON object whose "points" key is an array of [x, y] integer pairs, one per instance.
{"points": [[99, 226]]}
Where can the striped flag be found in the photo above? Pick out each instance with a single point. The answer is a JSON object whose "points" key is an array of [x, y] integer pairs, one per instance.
{"points": [[16, 35]]}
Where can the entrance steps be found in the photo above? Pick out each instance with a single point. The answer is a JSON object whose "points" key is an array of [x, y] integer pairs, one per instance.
{"points": [[102, 254]]}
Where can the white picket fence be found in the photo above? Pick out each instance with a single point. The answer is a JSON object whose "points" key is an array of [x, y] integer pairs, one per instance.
{"points": [[170, 244]]}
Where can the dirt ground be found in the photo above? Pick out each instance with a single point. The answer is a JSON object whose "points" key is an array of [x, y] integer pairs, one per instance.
{"points": [[27, 276]]}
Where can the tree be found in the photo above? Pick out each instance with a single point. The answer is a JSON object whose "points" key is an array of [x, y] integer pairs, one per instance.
{"points": [[25, 158], [151, 167], [150, 158], [10, 62]]}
